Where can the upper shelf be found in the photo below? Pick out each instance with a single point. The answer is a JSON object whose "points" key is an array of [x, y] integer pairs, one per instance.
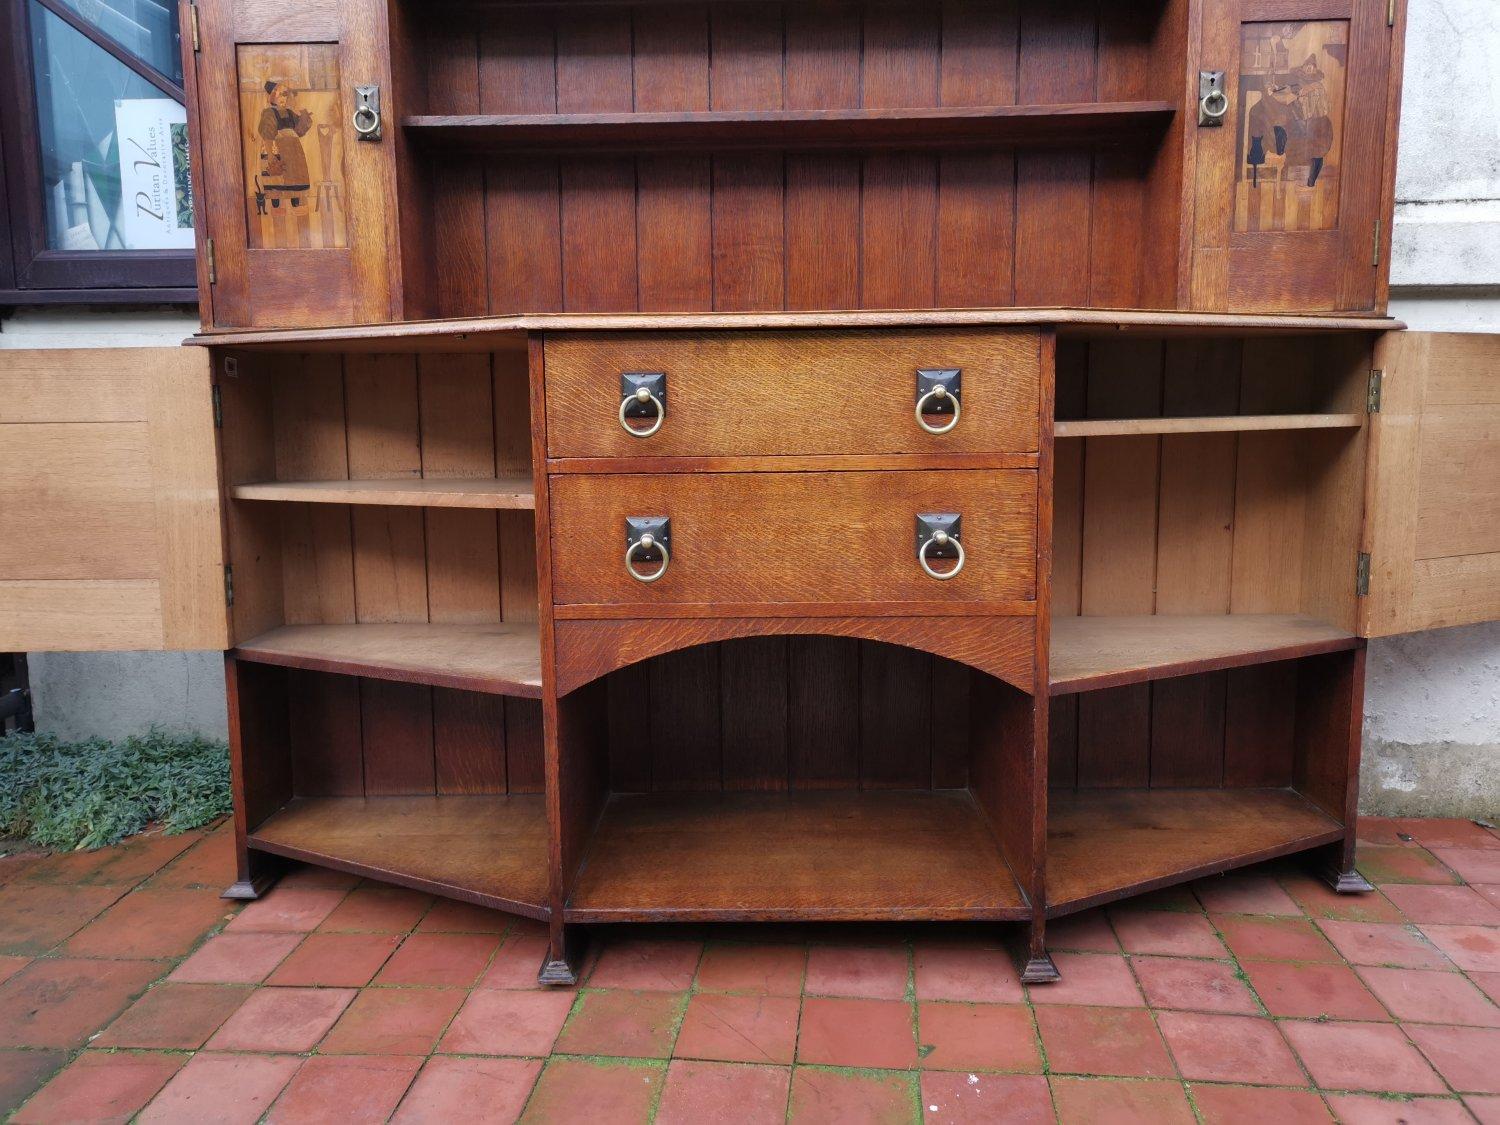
{"points": [[513, 492], [947, 126], [1215, 424], [1099, 652], [503, 659], [508, 333]]}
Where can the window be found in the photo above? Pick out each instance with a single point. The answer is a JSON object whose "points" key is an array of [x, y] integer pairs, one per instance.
{"points": [[95, 203]]}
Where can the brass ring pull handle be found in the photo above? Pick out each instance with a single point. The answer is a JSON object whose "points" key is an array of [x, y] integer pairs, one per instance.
{"points": [[1214, 106], [365, 121], [642, 395], [645, 543], [942, 539], [938, 393]]}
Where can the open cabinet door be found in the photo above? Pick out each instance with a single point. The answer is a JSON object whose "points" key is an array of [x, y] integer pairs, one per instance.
{"points": [[110, 534], [1432, 505]]}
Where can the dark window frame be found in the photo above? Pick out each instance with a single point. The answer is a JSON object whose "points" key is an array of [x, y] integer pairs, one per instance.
{"points": [[30, 273]]}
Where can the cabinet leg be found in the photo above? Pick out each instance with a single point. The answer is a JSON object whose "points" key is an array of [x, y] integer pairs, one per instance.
{"points": [[1039, 967], [257, 872], [1336, 863], [564, 956]]}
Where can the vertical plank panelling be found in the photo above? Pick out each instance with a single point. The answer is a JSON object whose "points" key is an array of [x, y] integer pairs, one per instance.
{"points": [[673, 209], [1119, 551], [822, 189], [950, 724], [324, 732], [458, 441], [317, 553], [684, 719], [824, 712], [898, 224], [1118, 218], [1057, 64], [518, 74], [396, 720], [753, 693], [747, 52], [455, 186], [524, 768], [1260, 724], [1195, 535], [628, 710], [594, 65], [1187, 730], [1062, 743], [598, 234], [748, 235], [468, 741], [518, 579], [1270, 492], [895, 729], [390, 579]]}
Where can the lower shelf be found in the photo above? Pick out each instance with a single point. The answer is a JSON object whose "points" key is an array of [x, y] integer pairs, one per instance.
{"points": [[1103, 844], [491, 851], [813, 856]]}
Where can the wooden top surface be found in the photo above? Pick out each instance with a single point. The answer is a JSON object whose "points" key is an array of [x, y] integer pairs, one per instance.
{"points": [[501, 658], [499, 333], [1097, 652]]}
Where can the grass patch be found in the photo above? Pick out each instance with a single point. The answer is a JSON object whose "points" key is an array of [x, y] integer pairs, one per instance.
{"points": [[74, 795]]}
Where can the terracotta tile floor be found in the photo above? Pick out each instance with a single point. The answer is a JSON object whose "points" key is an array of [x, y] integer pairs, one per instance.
{"points": [[127, 987]]}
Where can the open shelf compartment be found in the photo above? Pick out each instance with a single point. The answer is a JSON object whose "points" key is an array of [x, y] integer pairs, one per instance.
{"points": [[811, 856], [1104, 843], [489, 850]]}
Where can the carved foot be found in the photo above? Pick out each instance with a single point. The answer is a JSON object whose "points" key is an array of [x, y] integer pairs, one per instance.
{"points": [[1347, 882], [1040, 970], [247, 890]]}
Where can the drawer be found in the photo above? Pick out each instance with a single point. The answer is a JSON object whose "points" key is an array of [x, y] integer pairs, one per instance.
{"points": [[762, 538], [792, 393]]}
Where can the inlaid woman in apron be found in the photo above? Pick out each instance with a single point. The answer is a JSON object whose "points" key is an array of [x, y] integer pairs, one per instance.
{"points": [[283, 161]]}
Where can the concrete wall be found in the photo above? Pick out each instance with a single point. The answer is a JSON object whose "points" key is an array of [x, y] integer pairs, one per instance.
{"points": [[1432, 721]]}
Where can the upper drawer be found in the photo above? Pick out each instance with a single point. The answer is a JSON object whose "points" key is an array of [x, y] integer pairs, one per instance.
{"points": [[765, 538], [792, 393]]}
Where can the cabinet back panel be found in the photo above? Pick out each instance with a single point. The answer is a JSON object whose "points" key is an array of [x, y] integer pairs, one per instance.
{"points": [[780, 713], [354, 737], [821, 230], [1231, 729]]}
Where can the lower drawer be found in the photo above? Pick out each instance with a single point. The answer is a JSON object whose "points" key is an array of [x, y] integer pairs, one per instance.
{"points": [[739, 538]]}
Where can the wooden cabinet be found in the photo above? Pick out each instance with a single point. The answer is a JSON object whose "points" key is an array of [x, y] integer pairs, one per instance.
{"points": [[1194, 465]]}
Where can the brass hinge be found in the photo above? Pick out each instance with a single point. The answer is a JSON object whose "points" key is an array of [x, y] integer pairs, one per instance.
{"points": [[1372, 391], [1375, 250], [228, 584], [198, 41], [213, 271], [1362, 575], [1390, 13], [218, 407]]}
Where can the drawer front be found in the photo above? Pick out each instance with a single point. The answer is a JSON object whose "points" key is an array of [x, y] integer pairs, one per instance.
{"points": [[762, 538], [792, 393]]}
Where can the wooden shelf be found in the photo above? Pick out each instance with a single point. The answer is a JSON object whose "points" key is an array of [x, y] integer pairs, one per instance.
{"points": [[487, 850], [504, 659], [508, 333], [511, 492], [1099, 652], [1104, 844], [1069, 124], [1220, 424], [828, 855]]}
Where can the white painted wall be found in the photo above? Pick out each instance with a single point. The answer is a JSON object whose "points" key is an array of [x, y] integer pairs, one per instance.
{"points": [[1432, 720]]}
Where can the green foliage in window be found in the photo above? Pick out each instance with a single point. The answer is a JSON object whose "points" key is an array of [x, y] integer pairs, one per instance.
{"points": [[72, 795]]}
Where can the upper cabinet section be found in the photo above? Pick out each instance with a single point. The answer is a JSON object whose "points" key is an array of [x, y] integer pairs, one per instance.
{"points": [[1293, 195], [300, 200], [559, 156]]}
